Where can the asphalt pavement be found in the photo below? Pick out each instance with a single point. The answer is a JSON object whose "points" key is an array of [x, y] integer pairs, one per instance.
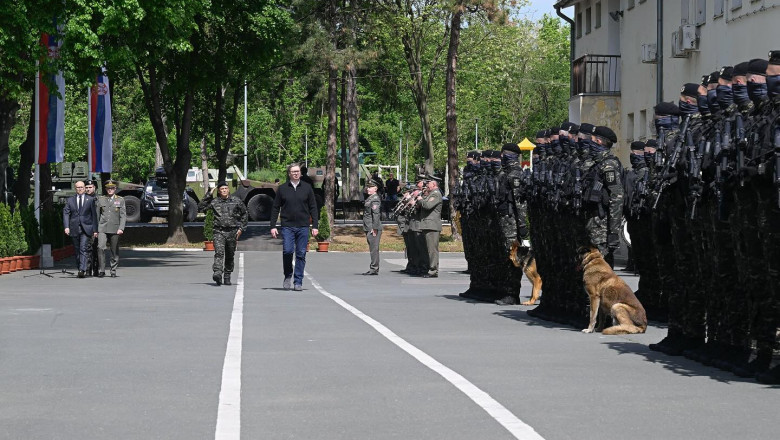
{"points": [[161, 352]]}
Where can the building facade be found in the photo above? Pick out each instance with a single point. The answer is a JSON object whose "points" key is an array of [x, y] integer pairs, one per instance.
{"points": [[615, 67]]}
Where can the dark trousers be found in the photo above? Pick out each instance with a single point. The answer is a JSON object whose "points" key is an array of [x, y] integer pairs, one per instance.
{"points": [[294, 241], [81, 243]]}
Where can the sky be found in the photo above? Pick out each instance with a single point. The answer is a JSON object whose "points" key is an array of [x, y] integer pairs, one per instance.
{"points": [[537, 8]]}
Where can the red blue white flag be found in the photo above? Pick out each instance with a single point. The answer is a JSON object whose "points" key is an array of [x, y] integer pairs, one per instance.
{"points": [[51, 107], [100, 132]]}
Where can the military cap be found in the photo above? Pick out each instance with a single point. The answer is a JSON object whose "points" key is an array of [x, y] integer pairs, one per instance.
{"points": [[429, 177], [637, 145], [651, 143], [774, 57], [553, 130], [714, 77], [606, 133], [757, 66], [666, 109], [110, 184], [512, 148], [474, 154], [705, 79], [370, 183], [541, 134], [690, 89], [587, 128], [571, 127], [740, 69], [221, 184], [726, 72], [89, 182]]}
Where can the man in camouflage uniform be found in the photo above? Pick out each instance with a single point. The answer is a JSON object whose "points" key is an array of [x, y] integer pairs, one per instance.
{"points": [[230, 220], [372, 225], [111, 224]]}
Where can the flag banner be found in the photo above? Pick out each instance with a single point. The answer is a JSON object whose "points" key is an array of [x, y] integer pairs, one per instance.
{"points": [[100, 132], [51, 106]]}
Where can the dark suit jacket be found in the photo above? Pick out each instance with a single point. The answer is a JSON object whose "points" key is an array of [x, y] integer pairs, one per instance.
{"points": [[85, 220]]}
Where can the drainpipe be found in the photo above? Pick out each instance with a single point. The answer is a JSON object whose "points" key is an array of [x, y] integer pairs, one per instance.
{"points": [[659, 49], [571, 46]]}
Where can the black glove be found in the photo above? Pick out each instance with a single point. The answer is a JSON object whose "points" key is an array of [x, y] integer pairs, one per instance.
{"points": [[613, 241]]}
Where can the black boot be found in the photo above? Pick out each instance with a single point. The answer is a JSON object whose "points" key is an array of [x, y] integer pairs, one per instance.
{"points": [[226, 279], [217, 277]]}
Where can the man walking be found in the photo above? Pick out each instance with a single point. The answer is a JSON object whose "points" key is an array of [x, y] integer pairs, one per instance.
{"points": [[372, 225], [230, 219], [80, 219], [297, 207], [92, 243], [112, 215]]}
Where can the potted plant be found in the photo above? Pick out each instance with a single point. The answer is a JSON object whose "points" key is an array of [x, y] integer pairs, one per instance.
{"points": [[208, 231], [323, 233]]}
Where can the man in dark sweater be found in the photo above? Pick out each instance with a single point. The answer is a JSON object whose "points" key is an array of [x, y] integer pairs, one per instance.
{"points": [[298, 208]]}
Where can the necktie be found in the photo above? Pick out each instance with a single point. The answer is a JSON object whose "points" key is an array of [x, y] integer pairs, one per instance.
{"points": [[81, 202]]}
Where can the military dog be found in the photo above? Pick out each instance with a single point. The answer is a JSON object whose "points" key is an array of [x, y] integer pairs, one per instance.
{"points": [[608, 291], [524, 257]]}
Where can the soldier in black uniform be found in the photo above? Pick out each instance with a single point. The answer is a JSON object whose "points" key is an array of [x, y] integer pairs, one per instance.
{"points": [[230, 220]]}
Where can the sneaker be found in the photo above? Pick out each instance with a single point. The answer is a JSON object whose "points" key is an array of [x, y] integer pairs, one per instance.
{"points": [[298, 288], [287, 284]]}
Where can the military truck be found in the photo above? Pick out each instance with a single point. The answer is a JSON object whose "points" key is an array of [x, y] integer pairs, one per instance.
{"points": [[155, 201], [257, 196], [66, 174]]}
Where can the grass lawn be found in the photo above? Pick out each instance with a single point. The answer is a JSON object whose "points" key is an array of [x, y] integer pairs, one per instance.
{"points": [[353, 239]]}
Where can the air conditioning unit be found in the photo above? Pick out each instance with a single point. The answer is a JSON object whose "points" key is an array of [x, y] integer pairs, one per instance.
{"points": [[649, 53], [677, 49], [689, 40]]}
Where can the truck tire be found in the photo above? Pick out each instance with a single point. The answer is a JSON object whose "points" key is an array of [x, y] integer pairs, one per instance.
{"points": [[259, 207], [192, 211], [133, 209]]}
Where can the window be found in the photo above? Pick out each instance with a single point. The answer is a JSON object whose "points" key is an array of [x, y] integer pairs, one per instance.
{"points": [[579, 25], [630, 127], [736, 4], [643, 124], [598, 15], [718, 9], [587, 20], [701, 12]]}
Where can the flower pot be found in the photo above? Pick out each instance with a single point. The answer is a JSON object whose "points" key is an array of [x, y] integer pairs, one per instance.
{"points": [[208, 245], [26, 262], [5, 265], [35, 261], [322, 246], [14, 266]]}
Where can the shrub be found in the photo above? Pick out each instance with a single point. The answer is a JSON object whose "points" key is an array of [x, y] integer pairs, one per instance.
{"points": [[17, 239], [208, 225], [323, 225], [5, 231], [32, 233]]}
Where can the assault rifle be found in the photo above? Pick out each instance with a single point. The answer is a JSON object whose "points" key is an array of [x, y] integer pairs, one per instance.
{"points": [[641, 192], [577, 196], [672, 162], [695, 175], [777, 163], [741, 145], [721, 160]]}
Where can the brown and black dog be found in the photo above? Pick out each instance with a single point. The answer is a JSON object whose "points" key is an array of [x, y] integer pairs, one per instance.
{"points": [[608, 291], [524, 257]]}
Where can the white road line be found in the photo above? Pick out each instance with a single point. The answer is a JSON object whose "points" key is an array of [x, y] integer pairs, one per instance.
{"points": [[229, 410], [514, 425]]}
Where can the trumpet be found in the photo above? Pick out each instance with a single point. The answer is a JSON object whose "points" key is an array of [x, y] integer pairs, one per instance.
{"points": [[406, 204]]}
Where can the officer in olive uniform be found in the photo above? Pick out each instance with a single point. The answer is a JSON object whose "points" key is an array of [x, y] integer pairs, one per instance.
{"points": [[372, 225], [430, 224], [230, 219], [111, 224]]}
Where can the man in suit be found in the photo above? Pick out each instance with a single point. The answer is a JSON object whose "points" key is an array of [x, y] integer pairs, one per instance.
{"points": [[80, 220], [111, 210]]}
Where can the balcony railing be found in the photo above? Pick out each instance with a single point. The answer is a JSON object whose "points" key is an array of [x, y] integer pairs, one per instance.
{"points": [[596, 75]]}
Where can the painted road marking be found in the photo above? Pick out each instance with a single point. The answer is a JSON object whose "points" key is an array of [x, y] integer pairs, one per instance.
{"points": [[509, 421], [229, 410]]}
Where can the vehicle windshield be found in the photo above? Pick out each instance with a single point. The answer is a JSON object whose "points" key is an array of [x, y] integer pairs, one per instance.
{"points": [[156, 186]]}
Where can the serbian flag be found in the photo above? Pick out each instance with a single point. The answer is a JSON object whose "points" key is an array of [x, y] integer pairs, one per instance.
{"points": [[51, 108], [100, 125]]}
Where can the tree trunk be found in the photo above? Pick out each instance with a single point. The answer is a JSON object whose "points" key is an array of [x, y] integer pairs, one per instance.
{"points": [[420, 100], [452, 115], [8, 109], [26, 161], [352, 126], [219, 108], [204, 165], [345, 195], [330, 163]]}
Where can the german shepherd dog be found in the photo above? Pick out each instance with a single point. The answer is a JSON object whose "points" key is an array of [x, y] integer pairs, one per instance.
{"points": [[608, 291], [524, 257]]}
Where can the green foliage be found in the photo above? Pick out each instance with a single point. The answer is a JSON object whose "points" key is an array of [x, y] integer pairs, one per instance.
{"points": [[5, 231], [52, 229], [17, 239], [323, 225], [208, 225], [32, 234], [267, 175]]}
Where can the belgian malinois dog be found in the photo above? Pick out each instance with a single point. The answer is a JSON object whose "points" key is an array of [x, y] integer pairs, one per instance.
{"points": [[608, 291], [524, 257]]}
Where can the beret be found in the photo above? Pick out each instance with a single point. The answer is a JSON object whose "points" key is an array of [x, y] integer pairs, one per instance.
{"points": [[726, 72], [690, 89], [553, 130], [705, 79], [587, 128], [511, 148], [651, 143], [637, 145], [491, 154], [740, 69], [713, 78], [89, 182], [541, 134], [474, 154], [774, 57], [757, 66], [571, 127], [666, 109], [221, 184], [606, 133]]}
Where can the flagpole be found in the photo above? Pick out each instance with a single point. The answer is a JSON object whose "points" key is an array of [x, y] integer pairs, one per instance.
{"points": [[37, 180], [89, 132]]}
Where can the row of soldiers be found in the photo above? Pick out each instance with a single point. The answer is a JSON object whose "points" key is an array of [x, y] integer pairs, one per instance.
{"points": [[701, 204]]}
